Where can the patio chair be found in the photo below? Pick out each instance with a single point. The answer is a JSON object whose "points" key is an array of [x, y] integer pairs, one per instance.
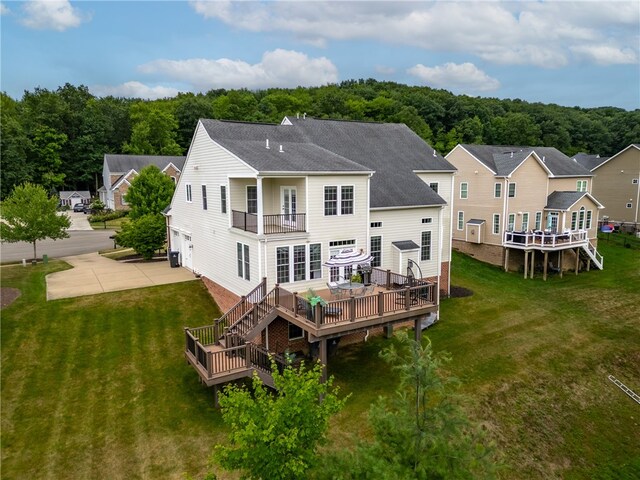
{"points": [[334, 289]]}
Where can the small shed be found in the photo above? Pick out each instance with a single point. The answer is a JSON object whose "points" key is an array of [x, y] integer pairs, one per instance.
{"points": [[71, 198], [404, 250], [475, 230]]}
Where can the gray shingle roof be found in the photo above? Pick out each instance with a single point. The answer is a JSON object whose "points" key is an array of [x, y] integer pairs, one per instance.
{"points": [[475, 221], [392, 151], [500, 160], [404, 245], [563, 200], [589, 161], [124, 163], [66, 194]]}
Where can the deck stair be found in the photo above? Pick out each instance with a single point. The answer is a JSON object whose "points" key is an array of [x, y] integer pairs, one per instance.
{"points": [[590, 251]]}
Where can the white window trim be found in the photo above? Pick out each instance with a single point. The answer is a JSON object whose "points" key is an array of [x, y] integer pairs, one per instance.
{"points": [[189, 193], [307, 260], [588, 221], [223, 200], [381, 249], [339, 200], [581, 185], [430, 245], [509, 190], [460, 223], [205, 196], [375, 225], [246, 197], [497, 186], [288, 332], [496, 216], [634, 181], [467, 191], [511, 224], [629, 205], [426, 220], [528, 222], [246, 270], [437, 184], [538, 221]]}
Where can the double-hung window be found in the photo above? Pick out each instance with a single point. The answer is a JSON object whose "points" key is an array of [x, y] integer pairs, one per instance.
{"points": [[244, 265], [252, 199], [496, 224], [538, 220], [574, 220], [497, 190], [204, 197], [338, 200], [315, 261], [460, 220], [425, 246], [464, 190], [299, 263], [589, 214], [188, 190], [293, 263], [581, 186], [525, 221], [375, 250], [223, 199], [512, 190], [512, 222]]}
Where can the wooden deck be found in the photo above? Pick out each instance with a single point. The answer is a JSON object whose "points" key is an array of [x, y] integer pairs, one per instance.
{"points": [[223, 351], [540, 240]]}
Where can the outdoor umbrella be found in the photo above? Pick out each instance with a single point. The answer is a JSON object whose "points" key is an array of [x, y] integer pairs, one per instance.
{"points": [[348, 257]]}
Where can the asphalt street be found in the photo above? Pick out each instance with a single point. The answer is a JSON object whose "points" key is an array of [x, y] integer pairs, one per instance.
{"points": [[79, 242]]}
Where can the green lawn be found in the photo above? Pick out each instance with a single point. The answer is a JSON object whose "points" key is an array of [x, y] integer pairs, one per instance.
{"points": [[98, 387], [115, 224]]}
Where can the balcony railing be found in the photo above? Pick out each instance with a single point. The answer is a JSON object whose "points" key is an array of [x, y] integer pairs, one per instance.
{"points": [[281, 223], [542, 239]]}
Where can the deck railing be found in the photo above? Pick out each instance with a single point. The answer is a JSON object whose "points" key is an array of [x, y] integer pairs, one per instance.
{"points": [[545, 239], [281, 223], [239, 309]]}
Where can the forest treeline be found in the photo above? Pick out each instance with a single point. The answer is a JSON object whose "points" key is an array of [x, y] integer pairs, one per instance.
{"points": [[57, 138]]}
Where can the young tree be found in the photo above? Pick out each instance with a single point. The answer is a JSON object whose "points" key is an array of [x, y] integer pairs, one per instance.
{"points": [[145, 234], [276, 435], [150, 192], [420, 432], [29, 215]]}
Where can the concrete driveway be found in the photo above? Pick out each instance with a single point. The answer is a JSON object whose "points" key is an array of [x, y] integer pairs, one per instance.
{"points": [[79, 221], [93, 273]]}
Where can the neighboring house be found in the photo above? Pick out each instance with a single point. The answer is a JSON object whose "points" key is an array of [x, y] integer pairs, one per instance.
{"points": [[617, 183], [511, 202], [71, 198], [264, 205], [119, 170]]}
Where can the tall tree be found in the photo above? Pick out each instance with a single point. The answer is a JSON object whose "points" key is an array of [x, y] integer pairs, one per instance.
{"points": [[150, 192], [29, 215], [46, 146], [276, 435], [189, 110], [154, 131], [14, 145]]}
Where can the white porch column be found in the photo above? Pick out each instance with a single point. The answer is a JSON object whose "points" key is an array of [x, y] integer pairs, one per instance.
{"points": [[260, 207]]}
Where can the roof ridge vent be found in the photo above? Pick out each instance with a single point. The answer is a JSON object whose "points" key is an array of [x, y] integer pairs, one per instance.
{"points": [[267, 145], [544, 158], [511, 154], [281, 150]]}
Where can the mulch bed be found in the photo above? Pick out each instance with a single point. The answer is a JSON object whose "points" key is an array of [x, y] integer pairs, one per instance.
{"points": [[458, 292], [8, 296], [134, 258]]}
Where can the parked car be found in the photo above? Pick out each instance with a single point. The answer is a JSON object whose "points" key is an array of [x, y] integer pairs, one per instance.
{"points": [[80, 207]]}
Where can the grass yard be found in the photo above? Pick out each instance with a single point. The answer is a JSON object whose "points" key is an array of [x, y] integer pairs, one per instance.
{"points": [[115, 224], [97, 386]]}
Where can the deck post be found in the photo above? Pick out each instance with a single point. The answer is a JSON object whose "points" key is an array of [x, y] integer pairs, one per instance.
{"points": [[264, 285], [506, 259], [388, 279], [526, 264], [352, 308], [544, 267], [407, 298], [380, 304], [533, 263], [216, 401], [577, 260], [418, 331], [323, 359], [388, 330], [560, 261], [295, 303], [247, 355], [276, 295], [318, 314]]}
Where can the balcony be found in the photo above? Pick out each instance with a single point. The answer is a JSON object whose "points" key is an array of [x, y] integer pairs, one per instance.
{"points": [[271, 224]]}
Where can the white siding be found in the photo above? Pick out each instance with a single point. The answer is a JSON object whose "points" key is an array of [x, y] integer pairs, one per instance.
{"points": [[214, 242]]}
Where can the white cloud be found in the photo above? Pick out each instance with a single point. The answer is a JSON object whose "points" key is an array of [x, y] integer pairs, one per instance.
{"points": [[4, 10], [543, 34], [52, 15], [135, 90], [278, 68], [606, 55], [465, 77]]}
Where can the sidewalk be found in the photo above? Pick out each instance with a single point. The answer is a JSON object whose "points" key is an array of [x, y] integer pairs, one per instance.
{"points": [[93, 273]]}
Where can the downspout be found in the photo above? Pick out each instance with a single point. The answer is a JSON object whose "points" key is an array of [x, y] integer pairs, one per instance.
{"points": [[450, 231], [637, 200], [440, 237]]}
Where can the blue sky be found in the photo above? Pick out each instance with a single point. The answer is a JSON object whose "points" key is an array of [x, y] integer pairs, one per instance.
{"points": [[582, 53]]}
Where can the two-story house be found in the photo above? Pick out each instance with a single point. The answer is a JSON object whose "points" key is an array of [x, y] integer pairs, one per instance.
{"points": [[119, 170], [617, 184], [261, 208], [511, 203]]}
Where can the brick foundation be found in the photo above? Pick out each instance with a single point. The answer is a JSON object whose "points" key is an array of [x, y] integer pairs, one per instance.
{"points": [[493, 254], [223, 297]]}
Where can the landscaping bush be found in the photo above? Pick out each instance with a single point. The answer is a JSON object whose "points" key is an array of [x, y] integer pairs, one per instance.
{"points": [[105, 217]]}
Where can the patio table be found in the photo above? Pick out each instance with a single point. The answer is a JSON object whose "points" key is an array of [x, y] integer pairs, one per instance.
{"points": [[351, 286]]}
